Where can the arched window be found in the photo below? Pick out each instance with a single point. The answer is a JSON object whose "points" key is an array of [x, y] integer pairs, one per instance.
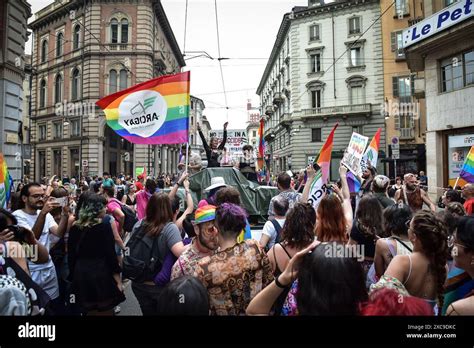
{"points": [[42, 93], [113, 81], [76, 37], [75, 84], [44, 51], [58, 88], [59, 44], [124, 31], [114, 30], [123, 79]]}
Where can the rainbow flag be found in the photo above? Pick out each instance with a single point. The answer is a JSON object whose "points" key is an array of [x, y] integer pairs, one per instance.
{"points": [[6, 183], [324, 159], [261, 145], [372, 152], [353, 182], [152, 112], [467, 170], [316, 192]]}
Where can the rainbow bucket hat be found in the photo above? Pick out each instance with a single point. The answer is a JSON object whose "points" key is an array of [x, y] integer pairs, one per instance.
{"points": [[204, 214]]}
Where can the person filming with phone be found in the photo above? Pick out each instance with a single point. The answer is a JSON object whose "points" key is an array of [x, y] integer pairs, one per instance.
{"points": [[36, 216]]}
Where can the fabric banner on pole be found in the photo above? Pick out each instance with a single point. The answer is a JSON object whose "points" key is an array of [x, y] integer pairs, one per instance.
{"points": [[372, 153], [354, 153], [152, 112], [467, 170]]}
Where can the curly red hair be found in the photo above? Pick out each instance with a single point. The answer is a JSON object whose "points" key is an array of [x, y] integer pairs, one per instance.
{"points": [[389, 302]]}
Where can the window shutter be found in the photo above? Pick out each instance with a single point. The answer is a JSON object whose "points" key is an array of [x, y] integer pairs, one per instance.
{"points": [[393, 41], [357, 24], [412, 85], [395, 86]]}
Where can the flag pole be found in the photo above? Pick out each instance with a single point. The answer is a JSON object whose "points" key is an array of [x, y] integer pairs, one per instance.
{"points": [[456, 183], [187, 157]]}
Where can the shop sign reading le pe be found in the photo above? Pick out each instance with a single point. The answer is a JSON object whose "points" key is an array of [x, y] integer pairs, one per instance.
{"points": [[447, 17]]}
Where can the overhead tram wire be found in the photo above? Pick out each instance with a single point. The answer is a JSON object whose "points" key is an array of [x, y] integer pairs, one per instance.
{"points": [[185, 27], [220, 61]]}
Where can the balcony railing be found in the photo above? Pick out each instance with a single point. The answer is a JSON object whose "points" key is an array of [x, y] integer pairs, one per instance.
{"points": [[342, 110], [407, 133]]}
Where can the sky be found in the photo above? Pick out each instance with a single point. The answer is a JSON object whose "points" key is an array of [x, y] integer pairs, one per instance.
{"points": [[247, 32]]}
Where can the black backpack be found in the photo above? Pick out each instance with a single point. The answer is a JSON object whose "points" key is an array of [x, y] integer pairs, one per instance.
{"points": [[141, 262], [130, 217]]}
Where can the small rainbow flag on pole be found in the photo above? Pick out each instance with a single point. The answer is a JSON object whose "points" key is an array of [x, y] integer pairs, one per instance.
{"points": [[467, 170], [152, 112], [6, 183], [261, 145], [372, 152], [324, 159]]}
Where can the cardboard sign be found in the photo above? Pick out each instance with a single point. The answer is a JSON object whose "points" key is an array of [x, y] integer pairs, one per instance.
{"points": [[354, 153]]}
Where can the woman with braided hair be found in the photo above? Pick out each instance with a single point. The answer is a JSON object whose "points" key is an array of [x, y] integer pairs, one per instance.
{"points": [[422, 273]]}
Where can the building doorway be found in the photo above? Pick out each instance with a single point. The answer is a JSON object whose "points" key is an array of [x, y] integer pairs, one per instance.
{"points": [[118, 154]]}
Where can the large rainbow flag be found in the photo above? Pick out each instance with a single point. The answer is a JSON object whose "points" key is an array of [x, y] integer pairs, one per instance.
{"points": [[152, 112], [6, 183], [467, 170]]}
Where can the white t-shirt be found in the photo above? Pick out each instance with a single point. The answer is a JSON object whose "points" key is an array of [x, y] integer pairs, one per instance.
{"points": [[269, 230], [44, 274]]}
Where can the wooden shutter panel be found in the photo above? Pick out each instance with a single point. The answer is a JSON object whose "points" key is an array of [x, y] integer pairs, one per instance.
{"points": [[393, 41]]}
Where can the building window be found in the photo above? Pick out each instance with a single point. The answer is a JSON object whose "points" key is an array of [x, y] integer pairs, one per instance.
{"points": [[58, 88], [44, 51], [76, 36], [449, 2], [124, 31], [356, 56], [469, 67], [314, 32], [254, 134], [316, 99], [357, 95], [354, 25], [123, 79], [402, 88], [401, 8], [113, 81], [316, 135], [75, 127], [457, 71], [57, 162], [397, 44], [42, 100], [42, 132], [75, 84], [42, 163], [59, 44], [114, 31], [315, 59], [57, 130]]}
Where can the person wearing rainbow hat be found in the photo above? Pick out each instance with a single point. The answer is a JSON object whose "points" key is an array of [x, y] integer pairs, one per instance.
{"points": [[204, 244]]}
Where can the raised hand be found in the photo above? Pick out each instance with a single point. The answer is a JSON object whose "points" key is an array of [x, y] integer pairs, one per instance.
{"points": [[225, 125]]}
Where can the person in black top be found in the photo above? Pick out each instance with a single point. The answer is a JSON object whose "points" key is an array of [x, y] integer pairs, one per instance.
{"points": [[213, 151], [93, 267], [247, 164]]}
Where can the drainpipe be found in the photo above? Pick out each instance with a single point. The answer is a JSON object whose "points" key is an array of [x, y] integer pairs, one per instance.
{"points": [[333, 56]]}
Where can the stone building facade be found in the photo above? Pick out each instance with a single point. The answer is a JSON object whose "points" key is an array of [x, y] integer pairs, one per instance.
{"points": [[323, 71], [83, 51]]}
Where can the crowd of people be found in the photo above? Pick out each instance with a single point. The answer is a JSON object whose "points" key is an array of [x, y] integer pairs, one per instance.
{"points": [[68, 246]]}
